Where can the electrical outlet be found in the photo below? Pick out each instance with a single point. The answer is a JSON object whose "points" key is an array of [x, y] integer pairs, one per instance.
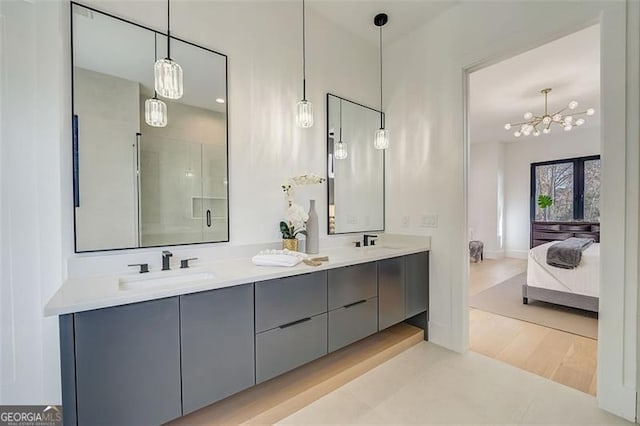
{"points": [[429, 221], [352, 220], [405, 221]]}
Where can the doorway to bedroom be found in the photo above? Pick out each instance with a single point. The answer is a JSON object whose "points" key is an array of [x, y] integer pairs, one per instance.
{"points": [[534, 209]]}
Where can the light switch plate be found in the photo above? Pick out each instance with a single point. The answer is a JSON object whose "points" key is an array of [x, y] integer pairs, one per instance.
{"points": [[429, 221]]}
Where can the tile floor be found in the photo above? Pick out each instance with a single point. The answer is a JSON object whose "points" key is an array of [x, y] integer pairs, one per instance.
{"points": [[431, 385]]}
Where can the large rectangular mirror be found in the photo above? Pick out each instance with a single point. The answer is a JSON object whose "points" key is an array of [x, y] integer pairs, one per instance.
{"points": [[136, 185], [355, 168]]}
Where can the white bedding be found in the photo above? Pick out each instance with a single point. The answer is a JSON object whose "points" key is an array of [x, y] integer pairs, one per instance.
{"points": [[585, 279]]}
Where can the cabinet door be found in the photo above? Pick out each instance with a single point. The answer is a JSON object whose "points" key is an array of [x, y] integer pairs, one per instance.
{"points": [[352, 323], [390, 292], [284, 348], [284, 300], [217, 345], [417, 283], [128, 364], [351, 284]]}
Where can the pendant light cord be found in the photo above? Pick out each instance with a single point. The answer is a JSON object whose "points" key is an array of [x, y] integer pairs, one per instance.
{"points": [[155, 59], [340, 140], [169, 29], [381, 114], [304, 55]]}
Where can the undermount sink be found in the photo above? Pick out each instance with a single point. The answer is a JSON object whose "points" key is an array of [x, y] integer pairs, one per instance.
{"points": [[376, 248], [163, 279]]}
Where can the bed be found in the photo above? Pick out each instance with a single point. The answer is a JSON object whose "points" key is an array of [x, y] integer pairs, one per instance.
{"points": [[577, 288]]}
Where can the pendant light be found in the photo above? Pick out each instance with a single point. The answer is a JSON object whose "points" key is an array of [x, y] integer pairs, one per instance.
{"points": [[168, 74], [381, 138], [155, 110], [340, 149], [304, 110]]}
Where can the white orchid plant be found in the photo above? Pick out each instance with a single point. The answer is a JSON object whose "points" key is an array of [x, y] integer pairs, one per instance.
{"points": [[296, 217]]}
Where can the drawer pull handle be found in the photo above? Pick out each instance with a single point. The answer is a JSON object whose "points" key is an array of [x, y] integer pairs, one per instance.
{"points": [[291, 324], [355, 303]]}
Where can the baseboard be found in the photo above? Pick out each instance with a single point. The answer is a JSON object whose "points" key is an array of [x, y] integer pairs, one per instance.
{"points": [[517, 254], [440, 334], [493, 254]]}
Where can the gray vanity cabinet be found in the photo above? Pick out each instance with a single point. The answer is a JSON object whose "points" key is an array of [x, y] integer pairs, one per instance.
{"points": [[285, 300], [291, 323], [417, 283], [391, 292], [353, 304], [128, 364], [352, 284], [217, 345], [289, 346], [352, 323], [151, 362]]}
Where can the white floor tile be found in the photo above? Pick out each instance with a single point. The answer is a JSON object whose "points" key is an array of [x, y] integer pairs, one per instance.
{"points": [[430, 385]]}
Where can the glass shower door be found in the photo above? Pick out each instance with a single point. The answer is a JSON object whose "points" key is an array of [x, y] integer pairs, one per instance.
{"points": [[170, 192]]}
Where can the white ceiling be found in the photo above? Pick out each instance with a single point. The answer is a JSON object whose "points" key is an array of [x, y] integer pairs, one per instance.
{"points": [[356, 16], [503, 92]]}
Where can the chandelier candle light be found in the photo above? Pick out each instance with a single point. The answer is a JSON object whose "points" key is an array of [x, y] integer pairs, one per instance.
{"points": [[564, 118], [155, 110], [381, 138], [304, 110], [168, 74]]}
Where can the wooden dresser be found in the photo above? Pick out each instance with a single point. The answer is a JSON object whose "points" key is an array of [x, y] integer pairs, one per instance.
{"points": [[544, 232]]}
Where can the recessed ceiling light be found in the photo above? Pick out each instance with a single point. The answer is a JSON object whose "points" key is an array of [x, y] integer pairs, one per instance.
{"points": [[220, 100]]}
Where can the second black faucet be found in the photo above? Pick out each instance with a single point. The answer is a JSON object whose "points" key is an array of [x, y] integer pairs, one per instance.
{"points": [[166, 260]]}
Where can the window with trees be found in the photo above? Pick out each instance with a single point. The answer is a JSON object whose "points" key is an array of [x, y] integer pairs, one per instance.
{"points": [[566, 190]]}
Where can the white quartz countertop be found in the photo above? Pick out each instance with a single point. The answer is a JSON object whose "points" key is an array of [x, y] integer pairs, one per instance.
{"points": [[83, 294]]}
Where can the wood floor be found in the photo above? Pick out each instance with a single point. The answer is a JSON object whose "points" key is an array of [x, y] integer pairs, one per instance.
{"points": [[562, 357], [276, 399]]}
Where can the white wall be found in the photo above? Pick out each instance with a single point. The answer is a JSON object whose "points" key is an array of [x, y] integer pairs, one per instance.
{"points": [[486, 197], [518, 157], [427, 160], [262, 42], [35, 205]]}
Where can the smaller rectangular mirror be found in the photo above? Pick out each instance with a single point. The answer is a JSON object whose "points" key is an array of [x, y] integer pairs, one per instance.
{"points": [[355, 168]]}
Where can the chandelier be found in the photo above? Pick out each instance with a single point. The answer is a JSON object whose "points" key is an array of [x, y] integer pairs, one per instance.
{"points": [[535, 124]]}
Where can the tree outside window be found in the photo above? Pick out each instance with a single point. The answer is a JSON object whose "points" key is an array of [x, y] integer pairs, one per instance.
{"points": [[573, 186]]}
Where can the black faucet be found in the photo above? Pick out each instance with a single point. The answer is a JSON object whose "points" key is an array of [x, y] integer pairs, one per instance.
{"points": [[368, 241], [166, 263]]}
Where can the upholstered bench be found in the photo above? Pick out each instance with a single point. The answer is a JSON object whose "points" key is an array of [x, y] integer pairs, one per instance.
{"points": [[476, 250]]}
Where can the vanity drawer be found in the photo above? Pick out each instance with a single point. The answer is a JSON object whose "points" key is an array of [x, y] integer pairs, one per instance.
{"points": [[285, 348], [288, 299], [352, 323], [351, 284]]}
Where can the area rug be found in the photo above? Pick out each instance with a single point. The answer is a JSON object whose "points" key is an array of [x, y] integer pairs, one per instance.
{"points": [[506, 299]]}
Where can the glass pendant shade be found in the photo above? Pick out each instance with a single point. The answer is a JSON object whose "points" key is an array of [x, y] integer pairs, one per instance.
{"points": [[341, 151], [381, 139], [168, 79], [155, 112], [304, 114]]}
